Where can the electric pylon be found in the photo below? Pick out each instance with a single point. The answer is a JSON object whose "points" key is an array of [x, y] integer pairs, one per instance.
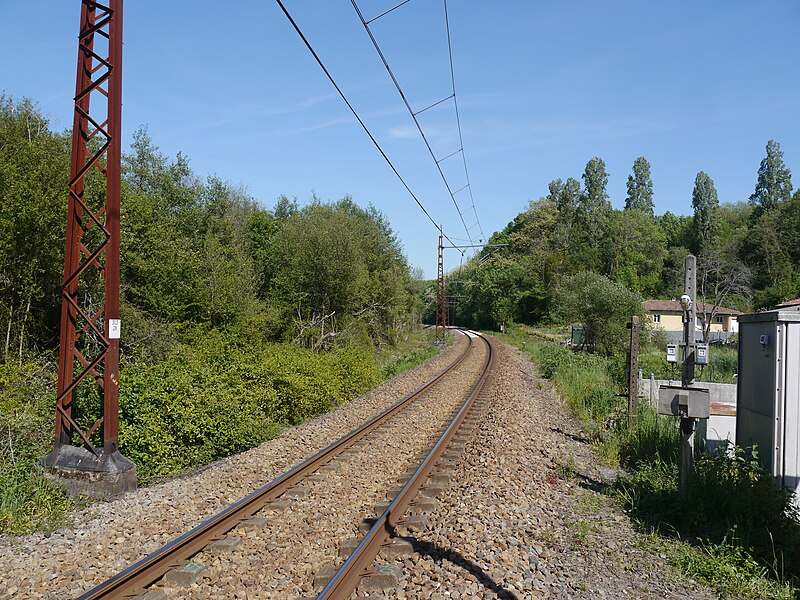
{"points": [[87, 400], [441, 300]]}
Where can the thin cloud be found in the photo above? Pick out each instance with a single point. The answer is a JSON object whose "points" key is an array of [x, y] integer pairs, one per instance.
{"points": [[403, 133]]}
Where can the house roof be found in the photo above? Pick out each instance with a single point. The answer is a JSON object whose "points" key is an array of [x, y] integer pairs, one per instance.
{"points": [[675, 306], [788, 303]]}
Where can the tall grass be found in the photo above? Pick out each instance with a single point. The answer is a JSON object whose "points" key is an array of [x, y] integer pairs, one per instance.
{"points": [[723, 363]]}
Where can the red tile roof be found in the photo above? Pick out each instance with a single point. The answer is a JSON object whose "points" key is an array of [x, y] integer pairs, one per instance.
{"points": [[788, 303], [675, 306]]}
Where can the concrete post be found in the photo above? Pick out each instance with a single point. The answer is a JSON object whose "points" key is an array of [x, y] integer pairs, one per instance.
{"points": [[688, 424], [633, 372]]}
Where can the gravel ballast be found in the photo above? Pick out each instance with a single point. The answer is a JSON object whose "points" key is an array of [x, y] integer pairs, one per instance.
{"points": [[506, 525], [107, 537]]}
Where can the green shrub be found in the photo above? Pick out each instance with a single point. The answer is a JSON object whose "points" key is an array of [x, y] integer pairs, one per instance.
{"points": [[218, 395], [27, 499]]}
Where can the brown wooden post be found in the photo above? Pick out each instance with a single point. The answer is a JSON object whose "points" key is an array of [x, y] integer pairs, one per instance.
{"points": [[633, 373]]}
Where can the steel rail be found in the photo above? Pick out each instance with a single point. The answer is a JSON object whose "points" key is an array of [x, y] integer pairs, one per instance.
{"points": [[134, 579], [347, 578]]}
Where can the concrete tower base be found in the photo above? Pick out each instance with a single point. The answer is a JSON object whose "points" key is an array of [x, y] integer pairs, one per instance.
{"points": [[84, 474]]}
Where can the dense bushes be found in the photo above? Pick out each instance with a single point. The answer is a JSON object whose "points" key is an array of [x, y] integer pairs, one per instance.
{"points": [[213, 395], [218, 396], [27, 499]]}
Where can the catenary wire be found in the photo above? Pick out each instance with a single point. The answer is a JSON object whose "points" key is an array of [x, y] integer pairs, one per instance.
{"points": [[358, 118], [458, 117], [412, 113]]}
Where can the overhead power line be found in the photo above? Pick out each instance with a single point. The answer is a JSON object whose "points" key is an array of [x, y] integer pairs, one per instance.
{"points": [[458, 117], [414, 114], [356, 115]]}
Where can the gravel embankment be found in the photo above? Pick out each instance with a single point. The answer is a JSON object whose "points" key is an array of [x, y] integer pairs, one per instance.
{"points": [[508, 526], [107, 537], [302, 537]]}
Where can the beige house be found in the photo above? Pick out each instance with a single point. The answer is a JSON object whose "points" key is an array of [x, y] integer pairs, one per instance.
{"points": [[668, 315]]}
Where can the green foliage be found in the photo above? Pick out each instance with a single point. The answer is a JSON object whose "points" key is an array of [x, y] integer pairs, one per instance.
{"points": [[705, 225], [640, 188], [339, 272], [28, 500], [602, 306], [636, 251], [34, 168], [774, 184], [217, 395], [187, 248]]}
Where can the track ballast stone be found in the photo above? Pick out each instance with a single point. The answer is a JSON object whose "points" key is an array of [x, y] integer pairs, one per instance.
{"points": [[505, 526], [107, 537], [508, 526]]}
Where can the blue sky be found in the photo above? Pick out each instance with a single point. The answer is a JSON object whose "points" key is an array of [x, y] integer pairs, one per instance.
{"points": [[542, 88]]}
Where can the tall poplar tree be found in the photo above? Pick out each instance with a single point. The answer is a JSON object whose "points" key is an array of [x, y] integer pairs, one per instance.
{"points": [[774, 184], [705, 225], [592, 217], [595, 180], [640, 187]]}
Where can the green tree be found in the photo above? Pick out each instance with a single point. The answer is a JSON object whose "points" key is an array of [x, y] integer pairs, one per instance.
{"points": [[592, 217], [640, 188], [161, 259], [595, 180], [34, 170], [638, 251], [705, 224], [339, 272], [602, 306], [774, 185]]}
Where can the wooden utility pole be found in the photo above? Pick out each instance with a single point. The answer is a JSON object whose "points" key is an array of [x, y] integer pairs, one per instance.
{"points": [[633, 372]]}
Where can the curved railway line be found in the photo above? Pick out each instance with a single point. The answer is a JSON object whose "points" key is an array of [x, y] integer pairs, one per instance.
{"points": [[407, 450]]}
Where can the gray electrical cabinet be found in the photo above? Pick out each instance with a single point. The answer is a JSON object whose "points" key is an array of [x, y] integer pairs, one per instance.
{"points": [[768, 390]]}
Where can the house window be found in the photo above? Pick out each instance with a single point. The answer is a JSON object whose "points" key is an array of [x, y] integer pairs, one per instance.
{"points": [[719, 319], [656, 318]]}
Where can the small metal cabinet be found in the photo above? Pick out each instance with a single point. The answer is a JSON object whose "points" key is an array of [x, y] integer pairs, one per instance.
{"points": [[768, 390], [684, 402], [701, 354], [672, 353]]}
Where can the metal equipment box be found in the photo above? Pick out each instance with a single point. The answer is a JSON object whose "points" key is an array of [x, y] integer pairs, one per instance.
{"points": [[768, 412]]}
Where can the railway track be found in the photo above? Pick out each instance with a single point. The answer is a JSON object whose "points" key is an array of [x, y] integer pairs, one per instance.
{"points": [[402, 445]]}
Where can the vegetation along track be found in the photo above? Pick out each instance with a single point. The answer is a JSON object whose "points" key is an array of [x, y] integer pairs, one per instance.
{"points": [[275, 541]]}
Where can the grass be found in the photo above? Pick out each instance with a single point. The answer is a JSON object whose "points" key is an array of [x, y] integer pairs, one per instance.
{"points": [[723, 363], [413, 350], [28, 500], [732, 530]]}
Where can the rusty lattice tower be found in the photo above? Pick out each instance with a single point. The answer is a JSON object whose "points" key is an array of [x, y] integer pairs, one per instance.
{"points": [[441, 296], [87, 404]]}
